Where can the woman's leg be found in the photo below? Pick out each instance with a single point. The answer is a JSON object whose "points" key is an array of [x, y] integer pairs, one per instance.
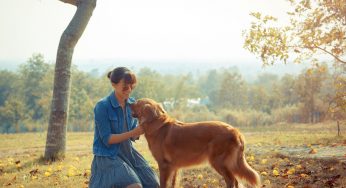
{"points": [[136, 185], [146, 174], [108, 172], [93, 180]]}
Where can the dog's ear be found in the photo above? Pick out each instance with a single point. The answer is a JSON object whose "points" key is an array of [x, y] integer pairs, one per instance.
{"points": [[160, 108], [150, 113]]}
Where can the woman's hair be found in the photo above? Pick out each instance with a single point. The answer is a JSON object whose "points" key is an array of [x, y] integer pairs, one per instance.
{"points": [[122, 73]]}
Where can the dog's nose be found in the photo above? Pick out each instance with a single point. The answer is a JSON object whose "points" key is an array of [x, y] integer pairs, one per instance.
{"points": [[133, 114]]}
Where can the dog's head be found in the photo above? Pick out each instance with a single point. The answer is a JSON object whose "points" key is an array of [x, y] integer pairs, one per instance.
{"points": [[146, 110]]}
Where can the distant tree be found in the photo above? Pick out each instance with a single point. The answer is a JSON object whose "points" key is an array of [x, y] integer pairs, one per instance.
{"points": [[84, 88], [258, 98], [12, 113], [183, 89], [81, 110], [266, 80], [287, 87], [86, 81], [8, 83], [45, 95], [95, 86], [32, 74], [150, 85], [232, 91], [56, 134], [209, 85], [337, 103], [273, 99], [308, 87]]}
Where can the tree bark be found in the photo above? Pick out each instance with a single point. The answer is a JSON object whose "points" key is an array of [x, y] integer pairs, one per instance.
{"points": [[338, 124], [56, 135], [72, 2]]}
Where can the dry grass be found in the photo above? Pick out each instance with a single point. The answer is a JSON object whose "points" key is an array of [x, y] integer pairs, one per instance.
{"points": [[268, 149]]}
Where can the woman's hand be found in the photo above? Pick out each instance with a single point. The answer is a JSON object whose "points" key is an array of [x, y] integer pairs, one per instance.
{"points": [[133, 134], [137, 131]]}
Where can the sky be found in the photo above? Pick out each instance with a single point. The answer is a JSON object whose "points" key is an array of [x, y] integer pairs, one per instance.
{"points": [[146, 30]]}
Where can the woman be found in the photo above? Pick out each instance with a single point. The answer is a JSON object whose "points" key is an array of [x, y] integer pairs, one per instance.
{"points": [[116, 163]]}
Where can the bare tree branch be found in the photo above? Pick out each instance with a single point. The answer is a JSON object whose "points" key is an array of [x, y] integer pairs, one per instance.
{"points": [[336, 57], [317, 47], [72, 2]]}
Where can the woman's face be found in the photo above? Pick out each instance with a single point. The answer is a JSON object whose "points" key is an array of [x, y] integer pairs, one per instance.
{"points": [[122, 89]]}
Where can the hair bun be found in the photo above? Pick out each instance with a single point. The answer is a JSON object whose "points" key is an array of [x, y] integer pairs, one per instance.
{"points": [[109, 74]]}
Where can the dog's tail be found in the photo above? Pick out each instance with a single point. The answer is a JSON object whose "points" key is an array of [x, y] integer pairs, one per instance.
{"points": [[242, 169]]}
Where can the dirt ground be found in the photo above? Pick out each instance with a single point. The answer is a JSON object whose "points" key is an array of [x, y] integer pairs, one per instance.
{"points": [[305, 166]]}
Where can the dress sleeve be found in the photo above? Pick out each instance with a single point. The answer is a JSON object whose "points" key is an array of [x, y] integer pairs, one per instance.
{"points": [[102, 123], [134, 125]]}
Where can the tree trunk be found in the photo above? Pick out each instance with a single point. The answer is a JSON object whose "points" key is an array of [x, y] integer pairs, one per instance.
{"points": [[312, 101], [17, 128], [56, 135]]}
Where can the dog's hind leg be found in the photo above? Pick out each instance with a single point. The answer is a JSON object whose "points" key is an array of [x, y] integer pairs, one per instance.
{"points": [[233, 179], [217, 164]]}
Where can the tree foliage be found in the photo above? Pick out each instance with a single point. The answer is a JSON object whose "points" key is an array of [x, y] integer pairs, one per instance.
{"points": [[222, 94], [32, 74], [307, 89], [150, 85], [8, 84], [316, 30], [12, 113], [232, 90], [316, 27]]}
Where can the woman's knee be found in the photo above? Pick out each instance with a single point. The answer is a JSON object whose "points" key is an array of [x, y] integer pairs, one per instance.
{"points": [[135, 185], [153, 184]]}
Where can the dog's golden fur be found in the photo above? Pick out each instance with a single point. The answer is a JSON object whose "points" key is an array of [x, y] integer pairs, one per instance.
{"points": [[176, 144]]}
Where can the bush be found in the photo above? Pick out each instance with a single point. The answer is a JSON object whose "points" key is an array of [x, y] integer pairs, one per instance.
{"points": [[197, 113], [239, 118], [288, 114]]}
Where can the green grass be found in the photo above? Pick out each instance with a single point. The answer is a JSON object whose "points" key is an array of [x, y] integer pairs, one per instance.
{"points": [[263, 144]]}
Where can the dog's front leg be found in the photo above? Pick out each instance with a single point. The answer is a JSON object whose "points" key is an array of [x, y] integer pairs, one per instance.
{"points": [[174, 178], [165, 172]]}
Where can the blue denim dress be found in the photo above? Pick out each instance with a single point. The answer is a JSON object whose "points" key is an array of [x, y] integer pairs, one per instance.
{"points": [[125, 168]]}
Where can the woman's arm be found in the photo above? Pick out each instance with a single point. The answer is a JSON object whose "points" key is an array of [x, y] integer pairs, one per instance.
{"points": [[103, 125], [117, 138]]}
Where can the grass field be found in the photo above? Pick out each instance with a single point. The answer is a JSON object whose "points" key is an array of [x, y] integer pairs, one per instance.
{"points": [[285, 156]]}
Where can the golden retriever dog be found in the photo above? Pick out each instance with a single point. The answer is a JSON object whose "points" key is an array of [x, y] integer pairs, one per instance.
{"points": [[175, 144]]}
